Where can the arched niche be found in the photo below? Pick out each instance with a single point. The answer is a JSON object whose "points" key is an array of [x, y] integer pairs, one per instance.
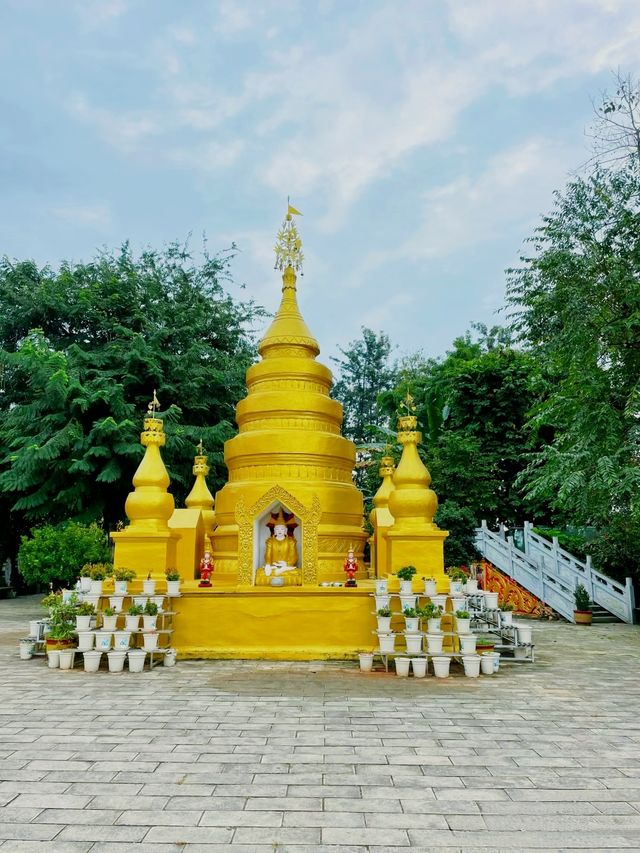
{"points": [[261, 533]]}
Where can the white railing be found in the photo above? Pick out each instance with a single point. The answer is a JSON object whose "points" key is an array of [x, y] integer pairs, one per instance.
{"points": [[551, 573]]}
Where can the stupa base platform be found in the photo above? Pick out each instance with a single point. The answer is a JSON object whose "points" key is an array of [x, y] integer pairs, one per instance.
{"points": [[267, 623]]}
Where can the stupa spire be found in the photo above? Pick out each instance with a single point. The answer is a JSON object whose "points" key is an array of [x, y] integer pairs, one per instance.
{"points": [[288, 334]]}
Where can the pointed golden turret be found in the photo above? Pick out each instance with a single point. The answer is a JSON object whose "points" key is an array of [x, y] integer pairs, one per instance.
{"points": [[147, 544], [381, 518], [414, 538], [200, 497]]}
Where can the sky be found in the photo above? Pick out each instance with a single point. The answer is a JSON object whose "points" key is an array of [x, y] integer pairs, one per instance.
{"points": [[421, 139]]}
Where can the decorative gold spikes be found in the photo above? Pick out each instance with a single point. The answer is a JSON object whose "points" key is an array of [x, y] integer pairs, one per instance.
{"points": [[288, 246]]}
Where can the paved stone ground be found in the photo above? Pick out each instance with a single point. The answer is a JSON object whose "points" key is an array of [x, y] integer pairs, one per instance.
{"points": [[295, 757]]}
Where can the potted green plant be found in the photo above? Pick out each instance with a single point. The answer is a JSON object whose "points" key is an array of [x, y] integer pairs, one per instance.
{"points": [[98, 572], [109, 619], [384, 619], [132, 619], [430, 586], [411, 619], [506, 614], [149, 586], [456, 580], [405, 576], [150, 616], [121, 579], [582, 614], [485, 644], [463, 621], [433, 614], [173, 582], [84, 612]]}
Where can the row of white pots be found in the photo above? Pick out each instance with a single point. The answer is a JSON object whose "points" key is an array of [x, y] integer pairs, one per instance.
{"points": [[65, 659], [413, 643], [104, 640], [463, 626], [406, 601], [87, 585], [430, 587], [110, 623], [473, 664]]}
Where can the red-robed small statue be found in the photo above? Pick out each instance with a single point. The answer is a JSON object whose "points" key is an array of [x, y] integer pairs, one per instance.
{"points": [[351, 567], [206, 568]]}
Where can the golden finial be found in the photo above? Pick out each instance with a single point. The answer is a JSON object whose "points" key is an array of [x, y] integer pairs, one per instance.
{"points": [[200, 448], [153, 406], [288, 246], [408, 404]]}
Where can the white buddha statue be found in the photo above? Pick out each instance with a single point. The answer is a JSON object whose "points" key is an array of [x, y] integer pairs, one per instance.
{"points": [[281, 551]]}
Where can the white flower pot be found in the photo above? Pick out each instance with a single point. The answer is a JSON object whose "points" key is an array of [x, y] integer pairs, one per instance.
{"points": [[387, 642], [463, 626], [506, 618], [384, 623], [457, 603], [150, 642], [120, 587], [406, 587], [525, 634], [109, 623], [27, 648], [91, 661], [34, 628], [455, 587], [471, 586], [131, 623], [96, 587], [173, 588], [382, 586], [486, 664], [467, 643], [490, 600], [496, 660], [91, 599], [66, 595], [53, 658], [149, 622], [103, 640], [412, 623], [121, 640], [85, 641], [402, 666], [115, 603], [140, 600], [441, 666], [434, 643], [366, 662], [116, 660], [149, 587], [433, 625], [83, 623], [419, 667], [471, 665], [158, 600], [439, 600], [413, 643], [519, 652], [382, 601], [67, 657], [407, 601], [170, 657], [430, 588], [85, 583], [136, 659]]}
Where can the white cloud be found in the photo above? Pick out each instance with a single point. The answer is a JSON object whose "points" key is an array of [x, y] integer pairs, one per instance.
{"points": [[97, 13], [123, 130], [88, 215]]}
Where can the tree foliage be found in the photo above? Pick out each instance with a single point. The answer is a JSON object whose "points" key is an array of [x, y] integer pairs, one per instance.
{"points": [[81, 350], [56, 553]]}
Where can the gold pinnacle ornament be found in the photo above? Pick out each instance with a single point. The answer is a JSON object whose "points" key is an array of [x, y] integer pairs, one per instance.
{"points": [[288, 246]]}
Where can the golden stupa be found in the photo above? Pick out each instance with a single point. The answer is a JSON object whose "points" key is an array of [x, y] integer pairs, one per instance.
{"points": [[285, 520]]}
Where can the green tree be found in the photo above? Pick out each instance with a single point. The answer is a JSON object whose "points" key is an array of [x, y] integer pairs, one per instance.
{"points": [[55, 554], [81, 350], [576, 303], [365, 372]]}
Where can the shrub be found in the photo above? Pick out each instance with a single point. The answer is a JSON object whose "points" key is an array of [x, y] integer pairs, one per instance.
{"points": [[459, 546], [406, 573], [55, 554], [581, 597]]}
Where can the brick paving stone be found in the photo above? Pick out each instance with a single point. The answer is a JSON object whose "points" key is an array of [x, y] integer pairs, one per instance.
{"points": [[302, 756]]}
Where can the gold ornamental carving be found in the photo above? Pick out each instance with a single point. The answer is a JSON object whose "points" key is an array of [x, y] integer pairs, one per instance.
{"points": [[309, 516]]}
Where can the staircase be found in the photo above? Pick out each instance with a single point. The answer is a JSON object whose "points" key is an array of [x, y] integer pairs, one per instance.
{"points": [[551, 574]]}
